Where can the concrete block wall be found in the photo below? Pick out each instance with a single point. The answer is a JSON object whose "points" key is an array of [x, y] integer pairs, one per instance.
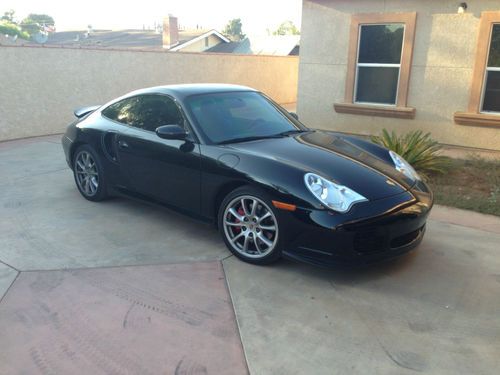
{"points": [[40, 87]]}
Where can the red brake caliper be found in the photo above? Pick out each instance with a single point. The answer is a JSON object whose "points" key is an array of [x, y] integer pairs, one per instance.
{"points": [[242, 213]]}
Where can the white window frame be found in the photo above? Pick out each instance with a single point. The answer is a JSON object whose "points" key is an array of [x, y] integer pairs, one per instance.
{"points": [[377, 65], [485, 77]]}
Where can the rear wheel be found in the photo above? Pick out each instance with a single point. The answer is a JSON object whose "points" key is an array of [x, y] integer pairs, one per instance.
{"points": [[89, 175], [249, 226]]}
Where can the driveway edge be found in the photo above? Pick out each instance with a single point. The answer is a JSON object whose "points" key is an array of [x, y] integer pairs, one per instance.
{"points": [[466, 218]]}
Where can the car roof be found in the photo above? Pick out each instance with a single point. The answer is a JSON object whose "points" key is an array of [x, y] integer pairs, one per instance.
{"points": [[184, 90]]}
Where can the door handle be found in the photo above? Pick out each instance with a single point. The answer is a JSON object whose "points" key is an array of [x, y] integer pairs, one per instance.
{"points": [[122, 144]]}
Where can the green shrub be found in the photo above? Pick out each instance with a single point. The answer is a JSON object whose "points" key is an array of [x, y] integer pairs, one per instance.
{"points": [[9, 28], [417, 148]]}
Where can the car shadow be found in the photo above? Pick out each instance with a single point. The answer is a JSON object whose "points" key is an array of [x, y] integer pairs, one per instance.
{"points": [[352, 274]]}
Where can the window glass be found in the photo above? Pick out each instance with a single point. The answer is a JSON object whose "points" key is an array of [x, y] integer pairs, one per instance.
{"points": [[146, 112], [121, 111], [381, 44], [378, 64], [494, 55], [491, 101], [225, 116], [491, 96], [377, 85]]}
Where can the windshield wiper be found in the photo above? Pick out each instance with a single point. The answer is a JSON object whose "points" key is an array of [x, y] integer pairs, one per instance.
{"points": [[257, 137], [248, 139], [290, 132]]}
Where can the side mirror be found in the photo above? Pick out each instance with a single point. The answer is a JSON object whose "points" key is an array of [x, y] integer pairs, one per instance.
{"points": [[294, 115], [171, 132]]}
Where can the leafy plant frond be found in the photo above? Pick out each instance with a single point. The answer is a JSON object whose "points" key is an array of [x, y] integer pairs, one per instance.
{"points": [[417, 148]]}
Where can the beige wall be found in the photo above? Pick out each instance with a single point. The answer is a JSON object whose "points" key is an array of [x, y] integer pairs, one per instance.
{"points": [[440, 78], [40, 87]]}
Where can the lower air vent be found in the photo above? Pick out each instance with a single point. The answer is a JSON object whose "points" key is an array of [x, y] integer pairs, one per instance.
{"points": [[405, 239], [368, 242]]}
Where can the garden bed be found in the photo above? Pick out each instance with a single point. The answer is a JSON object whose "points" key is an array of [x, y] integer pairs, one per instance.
{"points": [[472, 184]]}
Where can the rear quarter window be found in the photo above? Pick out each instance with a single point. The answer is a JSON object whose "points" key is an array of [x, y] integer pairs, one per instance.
{"points": [[122, 111]]}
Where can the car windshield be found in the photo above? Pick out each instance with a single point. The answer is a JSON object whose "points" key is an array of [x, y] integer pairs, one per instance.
{"points": [[238, 116]]}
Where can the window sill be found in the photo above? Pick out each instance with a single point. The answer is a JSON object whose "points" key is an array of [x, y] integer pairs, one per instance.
{"points": [[375, 110], [476, 119]]}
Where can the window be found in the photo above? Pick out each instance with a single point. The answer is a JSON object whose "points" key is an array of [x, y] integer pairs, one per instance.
{"points": [[379, 62], [146, 112], [206, 41], [484, 100], [491, 95], [122, 111]]}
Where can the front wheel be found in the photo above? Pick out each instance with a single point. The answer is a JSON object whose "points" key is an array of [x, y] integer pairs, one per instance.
{"points": [[249, 226], [89, 174]]}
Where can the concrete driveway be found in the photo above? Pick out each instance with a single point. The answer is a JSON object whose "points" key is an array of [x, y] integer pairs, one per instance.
{"points": [[124, 287]]}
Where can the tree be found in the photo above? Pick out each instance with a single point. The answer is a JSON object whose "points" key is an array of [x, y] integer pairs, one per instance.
{"points": [[9, 27], [35, 23], [233, 29], [42, 19], [8, 16], [286, 28]]}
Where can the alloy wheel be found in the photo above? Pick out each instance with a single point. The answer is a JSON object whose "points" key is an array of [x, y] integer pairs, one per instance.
{"points": [[250, 226], [86, 173]]}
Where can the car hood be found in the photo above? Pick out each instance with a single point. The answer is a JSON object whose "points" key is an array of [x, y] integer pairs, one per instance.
{"points": [[335, 158]]}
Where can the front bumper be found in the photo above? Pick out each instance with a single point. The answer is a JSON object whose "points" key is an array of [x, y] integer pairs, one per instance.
{"points": [[371, 232]]}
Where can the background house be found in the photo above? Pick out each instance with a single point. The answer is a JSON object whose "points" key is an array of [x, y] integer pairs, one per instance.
{"points": [[178, 40], [215, 42], [279, 45], [403, 65]]}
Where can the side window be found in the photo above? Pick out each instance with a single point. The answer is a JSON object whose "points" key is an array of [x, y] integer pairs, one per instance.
{"points": [[145, 112], [156, 110], [123, 111]]}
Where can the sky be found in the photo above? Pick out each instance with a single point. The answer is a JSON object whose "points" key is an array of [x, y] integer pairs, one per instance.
{"points": [[256, 15]]}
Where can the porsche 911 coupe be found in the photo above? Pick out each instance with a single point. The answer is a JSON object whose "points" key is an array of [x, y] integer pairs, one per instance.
{"points": [[274, 188]]}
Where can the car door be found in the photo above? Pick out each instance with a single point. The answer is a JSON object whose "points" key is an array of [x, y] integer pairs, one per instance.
{"points": [[166, 170]]}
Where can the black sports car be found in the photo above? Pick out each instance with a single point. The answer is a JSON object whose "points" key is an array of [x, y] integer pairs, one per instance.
{"points": [[273, 187]]}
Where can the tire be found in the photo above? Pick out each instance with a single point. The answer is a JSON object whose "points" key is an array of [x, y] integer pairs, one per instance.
{"points": [[89, 174], [247, 232]]}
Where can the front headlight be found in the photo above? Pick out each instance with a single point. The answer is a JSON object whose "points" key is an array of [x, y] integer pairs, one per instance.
{"points": [[337, 197], [403, 166]]}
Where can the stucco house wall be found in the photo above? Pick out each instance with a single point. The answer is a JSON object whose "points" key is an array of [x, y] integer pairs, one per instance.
{"points": [[441, 70]]}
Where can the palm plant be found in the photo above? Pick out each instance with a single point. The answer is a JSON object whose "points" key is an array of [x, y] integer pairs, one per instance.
{"points": [[417, 148]]}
